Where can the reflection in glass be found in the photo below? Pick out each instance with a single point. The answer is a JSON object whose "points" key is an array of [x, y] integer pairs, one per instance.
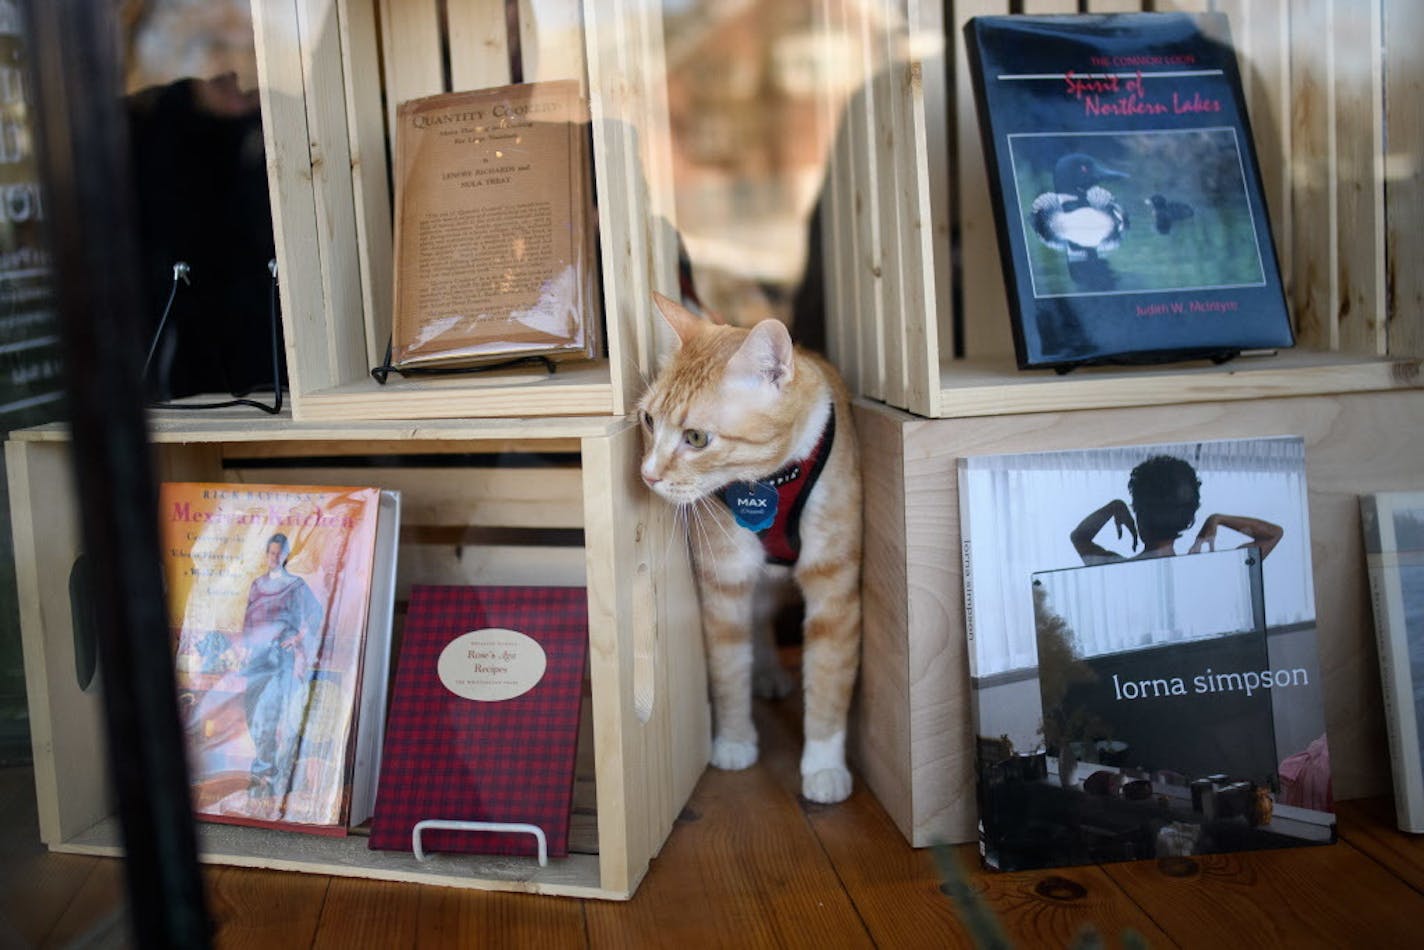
{"points": [[755, 92], [1161, 709]]}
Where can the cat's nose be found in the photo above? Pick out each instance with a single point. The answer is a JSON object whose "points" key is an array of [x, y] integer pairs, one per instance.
{"points": [[650, 480]]}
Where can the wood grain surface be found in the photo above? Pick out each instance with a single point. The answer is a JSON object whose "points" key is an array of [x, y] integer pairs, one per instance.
{"points": [[751, 864]]}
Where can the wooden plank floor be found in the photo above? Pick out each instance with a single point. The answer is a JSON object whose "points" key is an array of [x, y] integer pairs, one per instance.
{"points": [[751, 865]]}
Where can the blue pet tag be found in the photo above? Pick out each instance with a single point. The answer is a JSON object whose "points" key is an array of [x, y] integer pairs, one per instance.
{"points": [[753, 504]]}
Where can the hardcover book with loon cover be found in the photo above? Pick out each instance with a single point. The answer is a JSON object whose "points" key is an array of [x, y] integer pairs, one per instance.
{"points": [[1126, 189]]}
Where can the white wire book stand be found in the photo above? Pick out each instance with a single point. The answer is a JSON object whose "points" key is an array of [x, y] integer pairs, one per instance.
{"points": [[508, 827]]}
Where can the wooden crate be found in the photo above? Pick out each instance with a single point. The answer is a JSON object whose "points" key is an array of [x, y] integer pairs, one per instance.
{"points": [[331, 73], [917, 320], [912, 736], [917, 315], [646, 731]]}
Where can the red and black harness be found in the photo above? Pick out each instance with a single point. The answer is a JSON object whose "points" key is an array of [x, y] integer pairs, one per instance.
{"points": [[772, 506]]}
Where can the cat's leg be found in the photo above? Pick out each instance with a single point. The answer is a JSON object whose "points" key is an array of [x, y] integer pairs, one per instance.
{"points": [[770, 680], [727, 591], [830, 659]]}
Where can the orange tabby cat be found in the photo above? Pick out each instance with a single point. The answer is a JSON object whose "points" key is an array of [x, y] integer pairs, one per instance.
{"points": [[752, 439]]}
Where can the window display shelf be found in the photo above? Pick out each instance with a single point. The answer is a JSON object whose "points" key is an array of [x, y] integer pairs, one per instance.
{"points": [[989, 386], [573, 512]]}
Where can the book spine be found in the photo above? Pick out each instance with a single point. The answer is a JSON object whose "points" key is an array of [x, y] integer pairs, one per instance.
{"points": [[374, 677], [967, 572], [975, 717], [1395, 686]]}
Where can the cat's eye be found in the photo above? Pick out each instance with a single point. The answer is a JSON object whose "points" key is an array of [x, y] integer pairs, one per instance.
{"points": [[647, 419], [696, 438]]}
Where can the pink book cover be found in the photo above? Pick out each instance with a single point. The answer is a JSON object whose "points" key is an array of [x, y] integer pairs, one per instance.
{"points": [[268, 591], [484, 718]]}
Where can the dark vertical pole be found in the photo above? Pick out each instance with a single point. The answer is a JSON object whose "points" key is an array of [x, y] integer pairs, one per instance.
{"points": [[83, 161]]}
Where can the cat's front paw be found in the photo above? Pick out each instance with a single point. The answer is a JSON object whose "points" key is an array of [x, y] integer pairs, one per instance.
{"points": [[826, 786], [733, 755]]}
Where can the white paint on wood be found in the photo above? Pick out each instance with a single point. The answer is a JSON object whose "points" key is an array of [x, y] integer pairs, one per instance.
{"points": [[985, 303], [370, 185], [890, 138], [994, 387], [1260, 34], [840, 237], [1315, 287], [574, 876], [1050, 6], [630, 142], [1357, 49], [411, 54], [927, 108], [282, 91], [551, 41], [622, 797], [488, 565], [582, 388], [484, 497], [344, 339], [65, 721], [833, 200], [1404, 175], [865, 212], [478, 37]]}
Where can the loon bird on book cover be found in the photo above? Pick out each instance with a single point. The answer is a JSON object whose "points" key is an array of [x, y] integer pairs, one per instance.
{"points": [[1166, 212], [1081, 218]]}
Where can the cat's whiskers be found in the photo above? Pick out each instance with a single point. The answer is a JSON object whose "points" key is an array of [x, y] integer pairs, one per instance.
{"points": [[705, 536], [712, 514], [692, 530], [676, 525], [698, 533]]}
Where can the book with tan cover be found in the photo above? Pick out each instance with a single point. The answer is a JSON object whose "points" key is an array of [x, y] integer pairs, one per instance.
{"points": [[494, 246]]}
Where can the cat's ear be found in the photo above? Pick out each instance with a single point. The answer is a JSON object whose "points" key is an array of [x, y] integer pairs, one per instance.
{"points": [[684, 322], [767, 356]]}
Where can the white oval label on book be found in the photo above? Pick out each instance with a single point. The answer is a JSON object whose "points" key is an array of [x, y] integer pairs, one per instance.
{"points": [[491, 665]]}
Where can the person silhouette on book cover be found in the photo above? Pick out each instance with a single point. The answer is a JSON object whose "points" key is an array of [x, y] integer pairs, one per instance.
{"points": [[1166, 494], [282, 627]]}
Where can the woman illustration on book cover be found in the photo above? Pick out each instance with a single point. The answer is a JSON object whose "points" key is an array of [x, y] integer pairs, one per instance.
{"points": [[282, 626], [1165, 493]]}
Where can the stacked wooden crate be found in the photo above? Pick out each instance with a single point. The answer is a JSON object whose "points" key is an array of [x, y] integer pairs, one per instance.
{"points": [[331, 74], [573, 513], [918, 322], [918, 312]]}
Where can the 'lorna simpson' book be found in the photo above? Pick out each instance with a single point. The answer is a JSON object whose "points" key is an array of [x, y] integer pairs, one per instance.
{"points": [[1144, 673]]}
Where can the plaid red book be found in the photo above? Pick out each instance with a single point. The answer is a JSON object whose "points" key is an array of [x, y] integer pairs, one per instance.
{"points": [[509, 760]]}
